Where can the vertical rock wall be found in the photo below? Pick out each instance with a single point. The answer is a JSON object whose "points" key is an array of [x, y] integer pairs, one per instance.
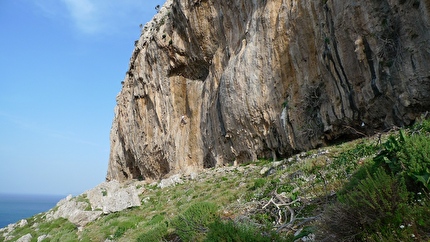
{"points": [[213, 82]]}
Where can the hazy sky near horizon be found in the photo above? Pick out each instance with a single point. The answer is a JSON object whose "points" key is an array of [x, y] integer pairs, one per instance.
{"points": [[61, 67]]}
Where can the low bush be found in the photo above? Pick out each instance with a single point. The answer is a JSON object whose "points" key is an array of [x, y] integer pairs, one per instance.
{"points": [[359, 151], [229, 231], [258, 183], [408, 155], [157, 233], [388, 198], [192, 224], [377, 201]]}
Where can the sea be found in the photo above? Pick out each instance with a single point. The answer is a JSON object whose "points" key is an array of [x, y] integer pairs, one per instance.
{"points": [[14, 207]]}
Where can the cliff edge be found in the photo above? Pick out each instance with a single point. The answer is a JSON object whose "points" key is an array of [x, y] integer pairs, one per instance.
{"points": [[219, 82]]}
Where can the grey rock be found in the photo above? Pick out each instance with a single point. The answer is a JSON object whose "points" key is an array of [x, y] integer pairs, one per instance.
{"points": [[171, 181], [146, 199], [106, 198], [7, 231], [25, 238], [113, 196], [42, 237], [277, 163], [75, 211], [264, 170], [22, 223], [193, 175]]}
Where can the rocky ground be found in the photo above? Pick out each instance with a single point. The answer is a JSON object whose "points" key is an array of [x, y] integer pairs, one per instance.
{"points": [[288, 194]]}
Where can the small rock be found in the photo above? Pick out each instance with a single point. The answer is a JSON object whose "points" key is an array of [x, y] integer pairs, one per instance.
{"points": [[42, 237], [264, 170], [65, 200], [193, 176], [240, 168], [146, 199], [171, 181], [270, 171], [276, 163], [25, 238], [22, 223], [309, 237]]}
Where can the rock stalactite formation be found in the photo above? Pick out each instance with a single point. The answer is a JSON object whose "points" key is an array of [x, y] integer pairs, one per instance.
{"points": [[214, 82]]}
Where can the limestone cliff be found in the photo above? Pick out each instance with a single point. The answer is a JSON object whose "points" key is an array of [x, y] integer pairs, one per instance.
{"points": [[212, 82]]}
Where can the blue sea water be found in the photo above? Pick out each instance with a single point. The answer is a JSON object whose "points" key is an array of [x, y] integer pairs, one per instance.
{"points": [[14, 207]]}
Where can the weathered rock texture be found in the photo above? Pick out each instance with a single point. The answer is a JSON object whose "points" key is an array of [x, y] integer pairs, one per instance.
{"points": [[213, 81], [111, 197], [105, 198]]}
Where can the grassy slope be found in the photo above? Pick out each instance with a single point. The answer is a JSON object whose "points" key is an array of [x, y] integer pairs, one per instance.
{"points": [[310, 179]]}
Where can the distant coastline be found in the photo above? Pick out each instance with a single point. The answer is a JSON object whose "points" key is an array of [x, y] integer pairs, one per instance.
{"points": [[14, 207]]}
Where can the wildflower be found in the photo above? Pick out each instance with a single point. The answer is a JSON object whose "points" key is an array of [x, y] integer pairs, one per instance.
{"points": [[402, 226], [413, 235]]}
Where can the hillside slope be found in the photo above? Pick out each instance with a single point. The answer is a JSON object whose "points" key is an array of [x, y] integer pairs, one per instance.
{"points": [[307, 181], [285, 200]]}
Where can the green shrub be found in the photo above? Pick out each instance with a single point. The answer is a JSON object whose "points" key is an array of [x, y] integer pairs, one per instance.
{"points": [[422, 126], [375, 206], [386, 199], [408, 156], [415, 158], [231, 231], [258, 183], [156, 233], [220, 231], [193, 223], [59, 229], [158, 218], [123, 226], [347, 157], [378, 198], [119, 232]]}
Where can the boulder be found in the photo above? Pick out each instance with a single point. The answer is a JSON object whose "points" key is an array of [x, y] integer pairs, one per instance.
{"points": [[25, 238], [77, 212], [171, 181], [42, 237], [113, 196]]}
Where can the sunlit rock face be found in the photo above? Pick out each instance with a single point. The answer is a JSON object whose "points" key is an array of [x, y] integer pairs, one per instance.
{"points": [[214, 82]]}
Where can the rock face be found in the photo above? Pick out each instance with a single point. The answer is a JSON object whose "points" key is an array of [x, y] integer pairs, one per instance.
{"points": [[217, 82]]}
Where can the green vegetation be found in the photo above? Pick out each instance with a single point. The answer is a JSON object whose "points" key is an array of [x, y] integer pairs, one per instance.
{"points": [[58, 230], [239, 232], [409, 157], [372, 189], [192, 224], [387, 199], [83, 199]]}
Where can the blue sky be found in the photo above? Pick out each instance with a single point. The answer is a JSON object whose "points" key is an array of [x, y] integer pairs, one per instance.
{"points": [[61, 67]]}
